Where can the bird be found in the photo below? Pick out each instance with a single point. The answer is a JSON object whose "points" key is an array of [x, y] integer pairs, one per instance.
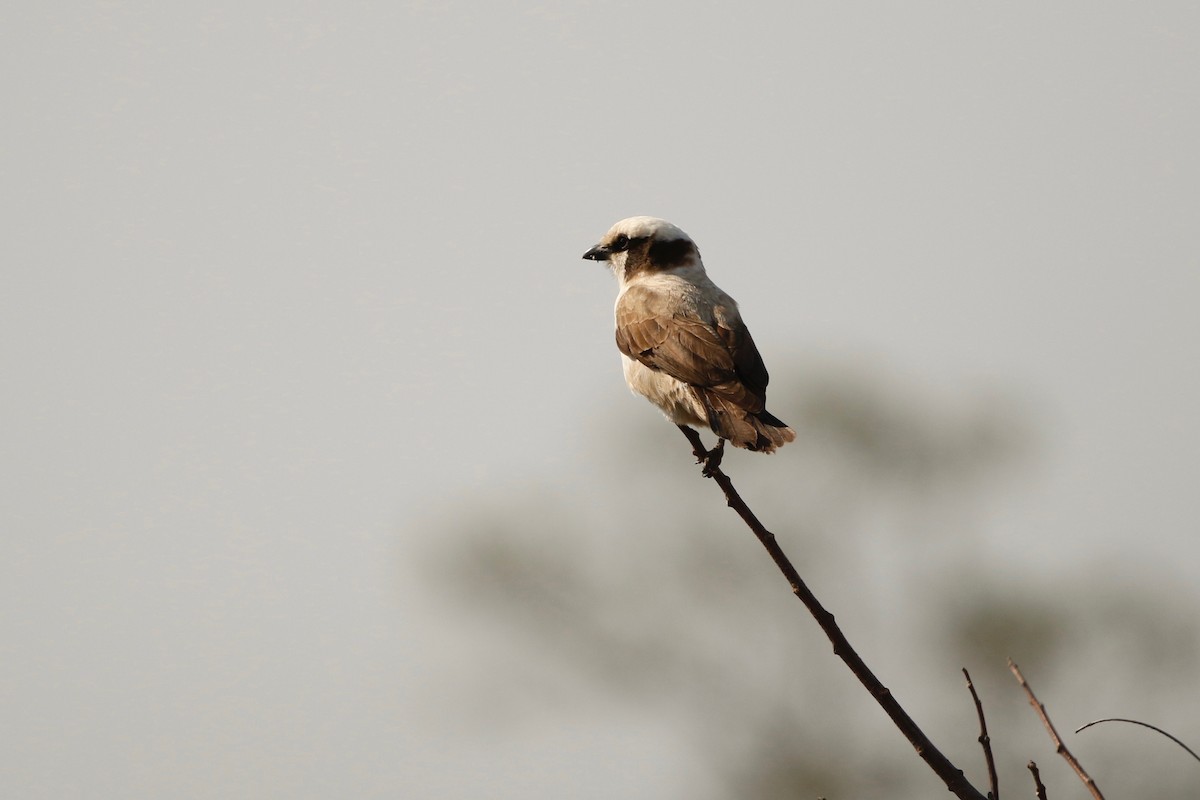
{"points": [[683, 344]]}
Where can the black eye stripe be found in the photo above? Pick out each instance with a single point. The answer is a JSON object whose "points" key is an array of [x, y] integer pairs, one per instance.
{"points": [[621, 242], [674, 251]]}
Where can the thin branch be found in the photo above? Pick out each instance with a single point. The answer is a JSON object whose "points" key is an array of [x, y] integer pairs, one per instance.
{"points": [[1039, 789], [951, 775], [985, 741], [1059, 747], [1144, 725]]}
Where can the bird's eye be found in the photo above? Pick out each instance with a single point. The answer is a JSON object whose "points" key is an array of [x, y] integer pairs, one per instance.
{"points": [[620, 244]]}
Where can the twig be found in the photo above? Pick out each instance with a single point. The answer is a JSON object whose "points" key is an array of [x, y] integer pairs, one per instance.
{"points": [[985, 741], [951, 775], [1059, 747], [1144, 725], [1039, 789]]}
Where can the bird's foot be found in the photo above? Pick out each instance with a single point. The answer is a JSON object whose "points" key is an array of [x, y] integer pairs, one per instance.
{"points": [[712, 459]]}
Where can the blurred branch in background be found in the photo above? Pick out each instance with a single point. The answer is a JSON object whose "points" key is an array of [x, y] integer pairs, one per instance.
{"points": [[628, 582], [985, 741], [1059, 747]]}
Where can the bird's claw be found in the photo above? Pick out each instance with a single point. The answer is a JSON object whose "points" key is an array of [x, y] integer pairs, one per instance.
{"points": [[712, 459]]}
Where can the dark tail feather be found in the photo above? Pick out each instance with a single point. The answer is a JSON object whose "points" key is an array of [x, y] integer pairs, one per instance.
{"points": [[772, 432], [759, 431], [767, 418]]}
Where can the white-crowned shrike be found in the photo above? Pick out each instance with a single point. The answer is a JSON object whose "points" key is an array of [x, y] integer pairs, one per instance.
{"points": [[682, 340]]}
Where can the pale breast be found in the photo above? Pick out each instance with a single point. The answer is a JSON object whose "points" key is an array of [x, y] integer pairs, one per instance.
{"points": [[675, 398]]}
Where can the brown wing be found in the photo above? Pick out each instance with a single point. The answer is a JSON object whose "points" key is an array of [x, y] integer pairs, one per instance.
{"points": [[716, 353], [746, 360]]}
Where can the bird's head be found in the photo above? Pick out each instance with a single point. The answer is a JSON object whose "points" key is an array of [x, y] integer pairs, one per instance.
{"points": [[645, 245]]}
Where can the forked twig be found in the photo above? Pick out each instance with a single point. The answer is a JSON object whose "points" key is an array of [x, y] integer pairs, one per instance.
{"points": [[1144, 725], [1059, 747], [1038, 788], [951, 775], [985, 741]]}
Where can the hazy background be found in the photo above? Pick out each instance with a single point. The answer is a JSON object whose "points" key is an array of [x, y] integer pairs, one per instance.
{"points": [[306, 392]]}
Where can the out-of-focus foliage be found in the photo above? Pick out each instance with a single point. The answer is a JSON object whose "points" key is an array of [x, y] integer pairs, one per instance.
{"points": [[651, 592]]}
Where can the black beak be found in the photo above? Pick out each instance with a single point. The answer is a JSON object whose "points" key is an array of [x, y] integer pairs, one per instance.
{"points": [[598, 253]]}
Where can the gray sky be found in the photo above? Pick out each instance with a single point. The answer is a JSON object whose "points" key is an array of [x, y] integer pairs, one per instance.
{"points": [[284, 282]]}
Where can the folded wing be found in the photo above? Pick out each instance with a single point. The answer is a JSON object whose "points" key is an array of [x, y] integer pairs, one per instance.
{"points": [[712, 352]]}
